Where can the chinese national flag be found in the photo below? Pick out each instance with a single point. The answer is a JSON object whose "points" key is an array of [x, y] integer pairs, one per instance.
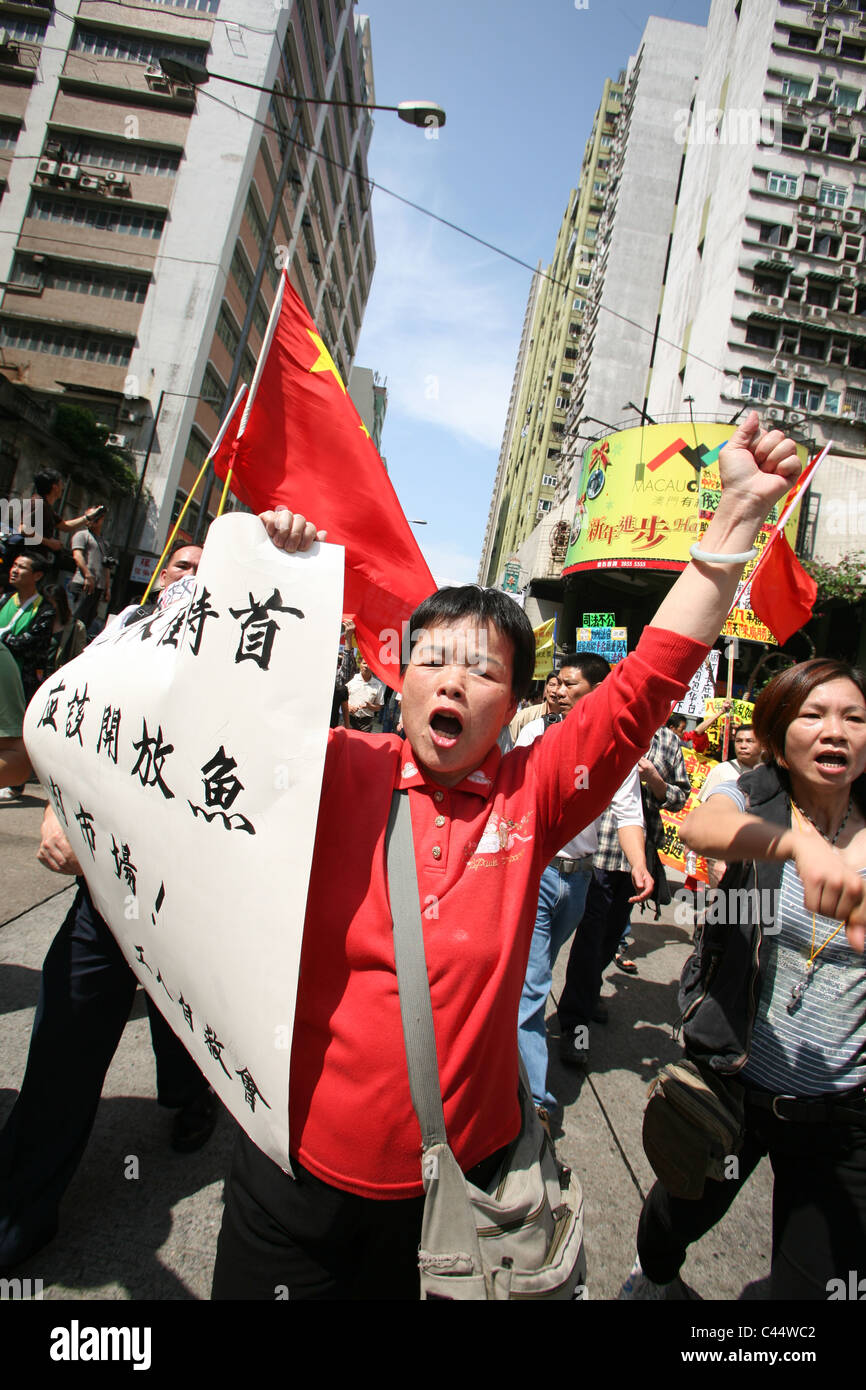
{"points": [[301, 444], [782, 593]]}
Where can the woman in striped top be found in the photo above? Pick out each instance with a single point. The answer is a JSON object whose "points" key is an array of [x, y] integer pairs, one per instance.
{"points": [[779, 1001]]}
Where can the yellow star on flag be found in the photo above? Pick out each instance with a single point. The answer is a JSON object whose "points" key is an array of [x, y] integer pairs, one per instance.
{"points": [[325, 362], [363, 427]]}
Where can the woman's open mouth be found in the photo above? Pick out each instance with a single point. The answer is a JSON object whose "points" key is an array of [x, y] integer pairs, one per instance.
{"points": [[832, 762], [445, 729]]}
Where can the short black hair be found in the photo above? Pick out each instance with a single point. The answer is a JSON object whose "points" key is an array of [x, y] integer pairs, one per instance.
{"points": [[45, 480], [39, 560], [591, 666], [449, 605], [178, 545], [743, 729], [676, 721]]}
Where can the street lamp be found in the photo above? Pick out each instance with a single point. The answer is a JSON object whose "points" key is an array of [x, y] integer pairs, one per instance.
{"points": [[418, 113]]}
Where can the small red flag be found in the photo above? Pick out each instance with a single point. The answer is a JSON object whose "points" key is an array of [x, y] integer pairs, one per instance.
{"points": [[303, 445], [782, 593]]}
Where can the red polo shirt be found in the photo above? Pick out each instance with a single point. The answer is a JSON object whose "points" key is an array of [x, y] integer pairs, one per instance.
{"points": [[480, 849]]}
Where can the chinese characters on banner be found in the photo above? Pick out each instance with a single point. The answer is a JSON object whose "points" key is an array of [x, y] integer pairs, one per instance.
{"points": [[647, 494], [183, 755], [673, 851], [702, 687], [609, 642], [741, 713]]}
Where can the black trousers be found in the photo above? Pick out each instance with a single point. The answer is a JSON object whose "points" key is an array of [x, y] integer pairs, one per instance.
{"points": [[302, 1239], [85, 1000], [594, 946], [819, 1206]]}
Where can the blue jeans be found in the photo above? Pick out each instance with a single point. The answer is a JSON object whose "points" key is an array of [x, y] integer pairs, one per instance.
{"points": [[561, 899]]}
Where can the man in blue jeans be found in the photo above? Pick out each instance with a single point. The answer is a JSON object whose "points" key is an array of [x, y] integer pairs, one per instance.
{"points": [[564, 885]]}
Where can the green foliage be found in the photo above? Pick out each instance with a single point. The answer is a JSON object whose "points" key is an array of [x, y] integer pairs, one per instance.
{"points": [[100, 466], [844, 582]]}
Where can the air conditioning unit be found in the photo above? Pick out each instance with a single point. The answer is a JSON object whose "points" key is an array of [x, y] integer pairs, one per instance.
{"points": [[803, 371], [90, 184], [116, 441], [157, 80], [817, 311], [183, 89], [816, 132], [775, 301], [781, 364], [850, 217], [845, 112], [114, 177], [153, 70], [849, 272], [819, 10], [777, 256], [794, 103], [774, 414], [70, 172], [47, 167], [806, 210]]}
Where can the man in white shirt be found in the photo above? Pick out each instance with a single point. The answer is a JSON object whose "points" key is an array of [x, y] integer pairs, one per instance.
{"points": [[565, 881], [747, 754], [365, 698]]}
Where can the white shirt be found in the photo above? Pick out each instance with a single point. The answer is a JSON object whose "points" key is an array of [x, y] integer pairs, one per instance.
{"points": [[722, 772], [363, 692], [625, 803]]}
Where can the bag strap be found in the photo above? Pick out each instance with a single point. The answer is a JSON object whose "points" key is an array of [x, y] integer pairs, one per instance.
{"points": [[412, 980]]}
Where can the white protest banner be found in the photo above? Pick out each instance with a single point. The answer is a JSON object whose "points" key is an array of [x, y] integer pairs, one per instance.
{"points": [[183, 755], [702, 687]]}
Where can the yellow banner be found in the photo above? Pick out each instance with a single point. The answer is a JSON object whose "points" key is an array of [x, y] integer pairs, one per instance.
{"points": [[673, 851], [646, 495], [544, 649], [741, 713]]}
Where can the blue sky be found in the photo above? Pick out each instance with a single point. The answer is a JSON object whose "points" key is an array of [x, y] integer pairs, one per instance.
{"points": [[519, 83]]}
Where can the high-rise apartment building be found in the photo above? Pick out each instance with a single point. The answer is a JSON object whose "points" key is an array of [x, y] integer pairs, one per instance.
{"points": [[765, 296], [144, 220], [528, 473], [590, 349]]}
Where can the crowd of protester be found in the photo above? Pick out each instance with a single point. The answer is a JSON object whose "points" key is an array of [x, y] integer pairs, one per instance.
{"points": [[773, 1000]]}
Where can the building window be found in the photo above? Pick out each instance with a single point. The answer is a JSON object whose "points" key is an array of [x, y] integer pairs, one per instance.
{"points": [[826, 245], [855, 404], [785, 185], [9, 132], [832, 402], [815, 348], [848, 48], [774, 233], [205, 6], [806, 396], [803, 38], [819, 292], [846, 96], [548, 480], [833, 195], [131, 48], [65, 342], [606, 142], [567, 378], [242, 273], [101, 216], [796, 87], [761, 335], [258, 225], [793, 136], [544, 504], [839, 145], [213, 388], [756, 387], [227, 331], [781, 391], [124, 156], [84, 279]]}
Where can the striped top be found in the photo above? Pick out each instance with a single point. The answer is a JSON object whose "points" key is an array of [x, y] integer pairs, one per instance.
{"points": [[821, 1046]]}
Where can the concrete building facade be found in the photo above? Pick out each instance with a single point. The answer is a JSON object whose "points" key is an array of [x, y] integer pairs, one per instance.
{"points": [[764, 302], [614, 305], [144, 221]]}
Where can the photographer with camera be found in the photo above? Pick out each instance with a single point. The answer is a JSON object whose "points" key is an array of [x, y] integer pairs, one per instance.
{"points": [[91, 582]]}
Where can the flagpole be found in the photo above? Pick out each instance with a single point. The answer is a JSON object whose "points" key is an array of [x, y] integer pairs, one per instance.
{"points": [[270, 330], [799, 494], [183, 511]]}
